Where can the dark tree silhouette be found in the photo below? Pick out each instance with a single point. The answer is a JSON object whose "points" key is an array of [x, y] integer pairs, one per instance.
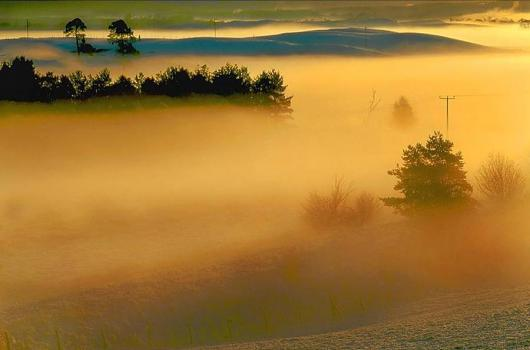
{"points": [[64, 89], [150, 87], [175, 82], [75, 28], [122, 86], [231, 79], [270, 90], [201, 81], [5, 72], [100, 84], [18, 81], [122, 35], [48, 85], [431, 177], [80, 84], [87, 48]]}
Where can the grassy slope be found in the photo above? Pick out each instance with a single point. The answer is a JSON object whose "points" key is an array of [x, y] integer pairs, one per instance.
{"points": [[489, 319]]}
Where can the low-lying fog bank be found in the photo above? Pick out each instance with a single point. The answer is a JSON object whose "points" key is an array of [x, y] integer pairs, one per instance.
{"points": [[178, 222]]}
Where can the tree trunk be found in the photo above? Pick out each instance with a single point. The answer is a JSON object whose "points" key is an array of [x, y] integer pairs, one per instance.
{"points": [[77, 42]]}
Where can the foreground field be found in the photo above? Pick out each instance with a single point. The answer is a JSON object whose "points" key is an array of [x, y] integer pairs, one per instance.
{"points": [[488, 319], [397, 285]]}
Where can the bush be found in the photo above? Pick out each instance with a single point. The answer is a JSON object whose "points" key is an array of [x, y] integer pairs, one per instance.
{"points": [[150, 87], [18, 81], [328, 209], [402, 113], [100, 84], [500, 180], [175, 81], [432, 177], [270, 90], [366, 207], [122, 86], [80, 84], [270, 82], [201, 80], [338, 209], [231, 79]]}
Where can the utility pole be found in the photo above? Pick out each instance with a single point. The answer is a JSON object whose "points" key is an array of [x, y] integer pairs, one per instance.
{"points": [[214, 29], [365, 39], [447, 98]]}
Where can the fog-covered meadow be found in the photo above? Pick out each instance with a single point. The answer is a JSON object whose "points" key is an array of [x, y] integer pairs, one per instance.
{"points": [[158, 222]]}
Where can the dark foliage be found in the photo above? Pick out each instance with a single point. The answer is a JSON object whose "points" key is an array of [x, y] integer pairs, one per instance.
{"points": [[270, 90], [122, 86], [20, 82], [201, 81], [100, 84], [150, 87], [123, 36], [432, 177], [75, 28], [87, 48], [175, 82], [231, 79]]}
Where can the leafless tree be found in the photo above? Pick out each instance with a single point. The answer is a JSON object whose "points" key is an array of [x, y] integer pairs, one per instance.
{"points": [[374, 102], [338, 208], [500, 179]]}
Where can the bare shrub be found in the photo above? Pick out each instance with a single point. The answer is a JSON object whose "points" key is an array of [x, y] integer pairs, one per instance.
{"points": [[500, 179], [339, 208], [366, 207], [402, 113], [330, 209]]}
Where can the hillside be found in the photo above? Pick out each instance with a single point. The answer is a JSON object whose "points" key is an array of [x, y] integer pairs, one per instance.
{"points": [[347, 42]]}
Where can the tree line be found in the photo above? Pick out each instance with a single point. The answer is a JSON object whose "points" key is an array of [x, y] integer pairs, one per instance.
{"points": [[20, 82]]}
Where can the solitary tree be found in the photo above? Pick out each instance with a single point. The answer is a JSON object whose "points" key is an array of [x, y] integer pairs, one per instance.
{"points": [[431, 177], [402, 112], [500, 179], [122, 35], [75, 28], [270, 87]]}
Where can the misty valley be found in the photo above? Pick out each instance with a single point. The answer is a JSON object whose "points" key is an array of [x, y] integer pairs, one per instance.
{"points": [[264, 175]]}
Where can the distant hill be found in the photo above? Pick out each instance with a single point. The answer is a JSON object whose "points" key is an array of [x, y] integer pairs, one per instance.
{"points": [[347, 42]]}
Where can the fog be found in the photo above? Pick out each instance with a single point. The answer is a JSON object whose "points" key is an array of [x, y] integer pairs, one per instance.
{"points": [[225, 32], [507, 36], [197, 204]]}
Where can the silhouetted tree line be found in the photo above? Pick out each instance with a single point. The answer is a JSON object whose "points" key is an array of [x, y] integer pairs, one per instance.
{"points": [[119, 34], [20, 82]]}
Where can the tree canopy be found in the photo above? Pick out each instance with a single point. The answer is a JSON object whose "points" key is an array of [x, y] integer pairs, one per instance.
{"points": [[431, 177], [20, 82], [75, 28], [122, 35]]}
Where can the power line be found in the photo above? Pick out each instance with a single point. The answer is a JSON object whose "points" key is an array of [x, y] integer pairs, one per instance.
{"points": [[447, 98]]}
